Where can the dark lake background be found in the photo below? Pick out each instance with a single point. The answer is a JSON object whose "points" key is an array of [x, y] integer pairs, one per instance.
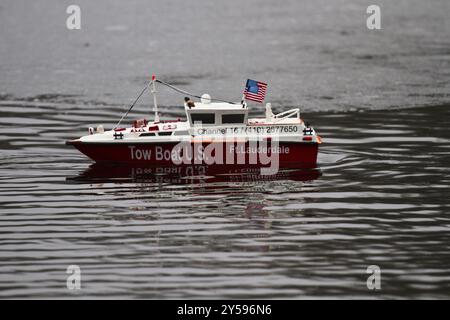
{"points": [[379, 99]]}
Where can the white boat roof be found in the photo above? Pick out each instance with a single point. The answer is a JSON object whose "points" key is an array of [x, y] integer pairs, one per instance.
{"points": [[216, 106]]}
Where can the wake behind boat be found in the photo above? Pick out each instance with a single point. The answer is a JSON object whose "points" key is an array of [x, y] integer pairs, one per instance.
{"points": [[214, 132]]}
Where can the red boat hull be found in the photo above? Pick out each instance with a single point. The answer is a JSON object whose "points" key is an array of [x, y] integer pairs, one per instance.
{"points": [[287, 154]]}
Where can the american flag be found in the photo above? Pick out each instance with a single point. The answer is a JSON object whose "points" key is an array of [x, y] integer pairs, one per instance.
{"points": [[255, 90]]}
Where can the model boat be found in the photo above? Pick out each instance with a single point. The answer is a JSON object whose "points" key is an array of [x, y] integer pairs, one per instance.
{"points": [[215, 132]]}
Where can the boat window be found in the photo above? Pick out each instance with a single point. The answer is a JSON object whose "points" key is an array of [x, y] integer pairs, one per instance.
{"points": [[166, 133], [147, 134], [233, 118], [208, 118]]}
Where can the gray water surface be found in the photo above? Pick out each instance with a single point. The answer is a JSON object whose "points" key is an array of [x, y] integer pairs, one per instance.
{"points": [[380, 195]]}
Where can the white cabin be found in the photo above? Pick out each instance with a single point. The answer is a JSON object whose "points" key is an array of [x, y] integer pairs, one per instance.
{"points": [[209, 114], [217, 114]]}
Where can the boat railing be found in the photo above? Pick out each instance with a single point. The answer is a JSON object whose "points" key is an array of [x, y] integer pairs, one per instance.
{"points": [[287, 114]]}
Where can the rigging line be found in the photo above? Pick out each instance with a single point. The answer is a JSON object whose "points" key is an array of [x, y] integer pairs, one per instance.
{"points": [[188, 93], [132, 105], [170, 86]]}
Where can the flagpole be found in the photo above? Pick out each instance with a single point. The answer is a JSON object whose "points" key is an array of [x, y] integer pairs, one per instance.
{"points": [[243, 102]]}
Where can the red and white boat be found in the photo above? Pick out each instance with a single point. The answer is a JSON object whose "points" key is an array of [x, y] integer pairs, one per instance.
{"points": [[214, 133]]}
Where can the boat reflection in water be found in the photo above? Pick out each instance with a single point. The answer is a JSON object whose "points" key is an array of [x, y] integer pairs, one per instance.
{"points": [[187, 174], [149, 185]]}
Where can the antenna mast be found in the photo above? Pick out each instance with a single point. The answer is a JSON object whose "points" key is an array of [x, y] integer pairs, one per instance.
{"points": [[155, 104]]}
